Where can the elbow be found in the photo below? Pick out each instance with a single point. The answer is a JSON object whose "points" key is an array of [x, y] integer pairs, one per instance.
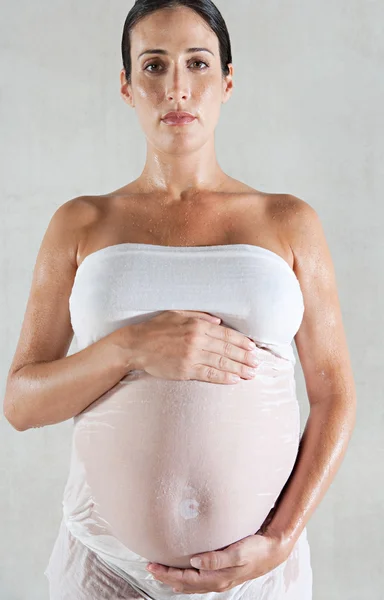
{"points": [[11, 406], [11, 415]]}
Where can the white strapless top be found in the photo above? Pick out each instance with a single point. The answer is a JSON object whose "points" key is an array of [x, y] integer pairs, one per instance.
{"points": [[251, 288], [162, 470]]}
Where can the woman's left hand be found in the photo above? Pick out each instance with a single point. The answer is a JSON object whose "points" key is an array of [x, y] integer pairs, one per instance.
{"points": [[222, 570]]}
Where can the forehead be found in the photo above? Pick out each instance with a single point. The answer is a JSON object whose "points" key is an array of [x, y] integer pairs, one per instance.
{"points": [[173, 29]]}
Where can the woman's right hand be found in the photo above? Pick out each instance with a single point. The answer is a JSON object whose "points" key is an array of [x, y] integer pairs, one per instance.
{"points": [[185, 345]]}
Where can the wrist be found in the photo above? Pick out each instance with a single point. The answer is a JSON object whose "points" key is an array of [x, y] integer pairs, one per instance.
{"points": [[284, 541], [125, 340]]}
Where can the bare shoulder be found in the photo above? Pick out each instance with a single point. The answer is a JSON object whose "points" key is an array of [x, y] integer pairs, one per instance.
{"points": [[291, 210], [76, 213], [299, 225], [86, 207], [73, 220]]}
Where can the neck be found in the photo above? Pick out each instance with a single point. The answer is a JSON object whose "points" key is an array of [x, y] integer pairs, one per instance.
{"points": [[177, 176]]}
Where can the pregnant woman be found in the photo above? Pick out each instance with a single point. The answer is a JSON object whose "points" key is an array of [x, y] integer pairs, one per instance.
{"points": [[178, 448]]}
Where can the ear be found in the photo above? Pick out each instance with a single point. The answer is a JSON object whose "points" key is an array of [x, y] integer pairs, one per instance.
{"points": [[126, 89], [228, 84]]}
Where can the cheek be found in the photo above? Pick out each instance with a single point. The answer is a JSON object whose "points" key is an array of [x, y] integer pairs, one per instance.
{"points": [[208, 93], [208, 104], [146, 93]]}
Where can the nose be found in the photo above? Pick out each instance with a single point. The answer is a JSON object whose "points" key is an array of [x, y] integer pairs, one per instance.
{"points": [[178, 86], [176, 95]]}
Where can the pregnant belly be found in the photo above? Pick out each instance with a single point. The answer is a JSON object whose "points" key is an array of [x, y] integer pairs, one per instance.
{"points": [[173, 468]]}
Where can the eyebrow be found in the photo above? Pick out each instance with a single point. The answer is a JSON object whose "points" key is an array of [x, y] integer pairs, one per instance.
{"points": [[161, 51]]}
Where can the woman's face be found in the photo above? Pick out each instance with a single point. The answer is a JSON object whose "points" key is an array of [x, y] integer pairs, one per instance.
{"points": [[176, 79]]}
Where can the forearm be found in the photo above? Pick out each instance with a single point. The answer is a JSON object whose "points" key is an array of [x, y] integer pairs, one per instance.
{"points": [[45, 393], [321, 451]]}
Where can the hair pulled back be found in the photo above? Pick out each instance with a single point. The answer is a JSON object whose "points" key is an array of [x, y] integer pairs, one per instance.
{"points": [[205, 8]]}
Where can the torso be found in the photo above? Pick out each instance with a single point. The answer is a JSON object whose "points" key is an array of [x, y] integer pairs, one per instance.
{"points": [[238, 215], [168, 468]]}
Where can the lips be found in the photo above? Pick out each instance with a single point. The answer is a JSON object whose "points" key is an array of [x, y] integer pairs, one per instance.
{"points": [[178, 117]]}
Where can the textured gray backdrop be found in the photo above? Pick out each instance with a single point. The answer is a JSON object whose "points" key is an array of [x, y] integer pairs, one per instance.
{"points": [[306, 118]]}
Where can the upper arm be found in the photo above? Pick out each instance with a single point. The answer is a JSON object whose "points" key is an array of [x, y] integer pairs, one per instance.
{"points": [[46, 331], [320, 341]]}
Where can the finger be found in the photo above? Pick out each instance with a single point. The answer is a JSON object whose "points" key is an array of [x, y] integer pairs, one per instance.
{"points": [[159, 569], [233, 337], [203, 582], [176, 577], [193, 582], [213, 561]]}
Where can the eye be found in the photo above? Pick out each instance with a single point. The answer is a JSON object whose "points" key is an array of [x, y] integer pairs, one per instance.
{"points": [[201, 62], [150, 65], [194, 62]]}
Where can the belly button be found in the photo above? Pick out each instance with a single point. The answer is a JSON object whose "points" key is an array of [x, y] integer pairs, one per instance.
{"points": [[189, 508]]}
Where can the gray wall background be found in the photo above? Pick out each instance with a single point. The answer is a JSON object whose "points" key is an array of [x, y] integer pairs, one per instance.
{"points": [[306, 118]]}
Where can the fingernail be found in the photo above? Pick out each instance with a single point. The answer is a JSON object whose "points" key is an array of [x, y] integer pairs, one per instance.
{"points": [[196, 562], [252, 372]]}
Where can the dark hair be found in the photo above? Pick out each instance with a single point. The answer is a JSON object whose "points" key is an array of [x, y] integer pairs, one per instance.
{"points": [[205, 8]]}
